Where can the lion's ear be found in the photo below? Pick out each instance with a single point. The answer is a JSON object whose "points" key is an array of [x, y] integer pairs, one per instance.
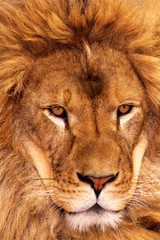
{"points": [[13, 73], [148, 68]]}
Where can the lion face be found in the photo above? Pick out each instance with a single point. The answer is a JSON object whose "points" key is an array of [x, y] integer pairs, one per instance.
{"points": [[80, 123]]}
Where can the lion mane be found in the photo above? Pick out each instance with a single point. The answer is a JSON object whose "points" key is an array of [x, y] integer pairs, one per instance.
{"points": [[35, 28]]}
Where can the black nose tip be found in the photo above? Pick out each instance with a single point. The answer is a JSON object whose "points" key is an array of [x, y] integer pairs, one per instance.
{"points": [[97, 183]]}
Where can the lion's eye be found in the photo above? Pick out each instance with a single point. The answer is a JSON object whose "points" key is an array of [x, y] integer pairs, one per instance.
{"points": [[124, 109], [58, 111]]}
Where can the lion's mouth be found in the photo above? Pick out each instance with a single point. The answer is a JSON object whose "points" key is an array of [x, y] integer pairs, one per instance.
{"points": [[96, 209]]}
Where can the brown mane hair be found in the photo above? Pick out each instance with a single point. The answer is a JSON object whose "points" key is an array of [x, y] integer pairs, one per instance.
{"points": [[36, 28], [30, 29]]}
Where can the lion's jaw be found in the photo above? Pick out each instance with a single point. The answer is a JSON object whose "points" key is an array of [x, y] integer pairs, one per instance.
{"points": [[84, 221], [92, 141]]}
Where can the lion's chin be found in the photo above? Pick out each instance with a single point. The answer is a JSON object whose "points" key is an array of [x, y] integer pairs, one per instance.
{"points": [[95, 217]]}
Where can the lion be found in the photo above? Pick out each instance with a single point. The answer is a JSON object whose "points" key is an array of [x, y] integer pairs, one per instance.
{"points": [[79, 120]]}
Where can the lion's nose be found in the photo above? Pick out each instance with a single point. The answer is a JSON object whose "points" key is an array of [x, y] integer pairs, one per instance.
{"points": [[97, 183]]}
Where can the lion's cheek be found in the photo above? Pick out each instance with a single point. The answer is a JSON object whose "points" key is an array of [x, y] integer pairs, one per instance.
{"points": [[117, 196], [138, 154], [37, 157]]}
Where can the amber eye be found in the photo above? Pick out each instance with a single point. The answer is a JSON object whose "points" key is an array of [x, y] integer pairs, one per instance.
{"points": [[124, 109], [58, 111]]}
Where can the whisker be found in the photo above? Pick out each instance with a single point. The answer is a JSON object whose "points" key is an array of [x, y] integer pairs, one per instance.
{"points": [[40, 179]]}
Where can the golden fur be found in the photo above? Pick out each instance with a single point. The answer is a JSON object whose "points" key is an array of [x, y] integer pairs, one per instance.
{"points": [[83, 53]]}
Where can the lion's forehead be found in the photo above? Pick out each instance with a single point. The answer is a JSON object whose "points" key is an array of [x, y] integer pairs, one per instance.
{"points": [[69, 76]]}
